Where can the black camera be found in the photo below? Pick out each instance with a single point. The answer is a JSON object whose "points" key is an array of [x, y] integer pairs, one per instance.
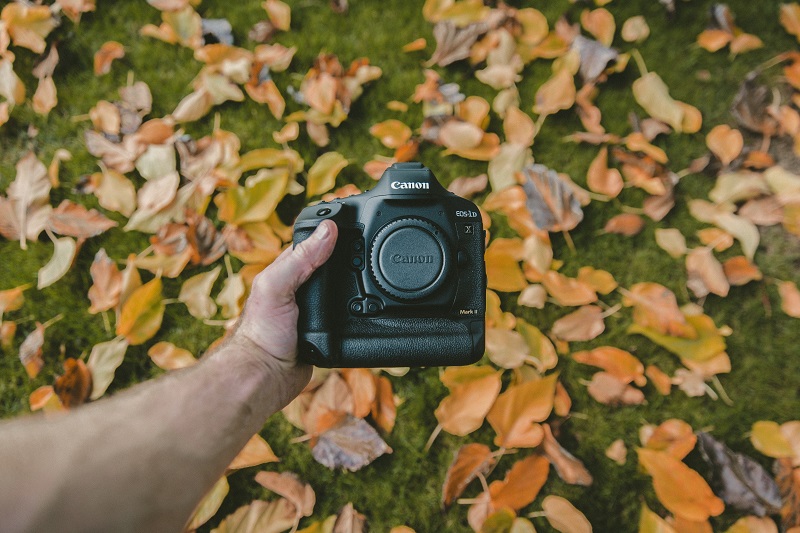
{"points": [[406, 284]]}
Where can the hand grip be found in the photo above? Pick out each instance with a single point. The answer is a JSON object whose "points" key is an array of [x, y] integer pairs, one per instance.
{"points": [[316, 343]]}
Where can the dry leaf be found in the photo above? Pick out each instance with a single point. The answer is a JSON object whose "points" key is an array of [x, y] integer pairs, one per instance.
{"points": [[569, 292], [674, 437], [64, 250], [725, 142], [467, 187], [502, 265], [601, 179], [210, 504], [569, 468], [617, 452], [584, 324], [470, 461], [231, 297], [635, 29], [103, 58], [600, 23], [322, 174], [30, 351], [563, 516], [76, 221], [672, 241], [679, 488], [391, 133], [655, 307], [506, 349], [610, 390], [705, 273], [256, 452], [660, 380], [167, 356], [288, 485], [551, 199], [790, 298], [521, 484], [556, 94], [196, 294], [767, 438], [626, 224], [515, 414], [142, 313], [619, 363], [453, 43], [473, 391], [260, 517], [104, 360], [28, 25], [652, 94], [351, 445], [740, 271]]}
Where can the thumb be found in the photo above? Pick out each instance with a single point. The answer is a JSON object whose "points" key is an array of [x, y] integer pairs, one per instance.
{"points": [[296, 265]]}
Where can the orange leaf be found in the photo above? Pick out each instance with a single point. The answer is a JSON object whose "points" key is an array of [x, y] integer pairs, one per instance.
{"points": [[28, 25], [473, 391], [602, 179], [790, 298], [169, 357], [660, 380], [416, 45], [103, 58], [75, 385], [363, 387], [569, 468], [679, 488], [567, 291], [600, 23], [713, 40], [288, 485], [619, 363], [256, 452], [329, 406], [521, 484], [142, 313], [384, 409], [391, 133], [674, 437], [626, 224], [502, 265], [516, 412], [705, 273], [470, 461], [790, 18], [725, 142], [655, 307], [740, 271], [555, 94]]}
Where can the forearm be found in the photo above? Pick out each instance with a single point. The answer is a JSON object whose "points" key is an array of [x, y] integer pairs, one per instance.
{"points": [[139, 461]]}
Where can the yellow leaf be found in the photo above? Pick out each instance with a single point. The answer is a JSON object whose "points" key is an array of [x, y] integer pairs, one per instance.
{"points": [[196, 291], [679, 488], [391, 133], [767, 438], [280, 14], [256, 452], [650, 522], [563, 516], [142, 313], [555, 94], [103, 361], [210, 504], [45, 99], [28, 25], [256, 200], [652, 94], [473, 390], [502, 265], [600, 23], [707, 344], [322, 174]]}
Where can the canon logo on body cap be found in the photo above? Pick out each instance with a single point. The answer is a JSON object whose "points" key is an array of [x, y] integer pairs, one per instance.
{"points": [[397, 258], [410, 185]]}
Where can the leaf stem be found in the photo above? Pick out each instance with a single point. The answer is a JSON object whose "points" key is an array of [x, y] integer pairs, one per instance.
{"points": [[433, 436], [640, 64], [53, 320]]}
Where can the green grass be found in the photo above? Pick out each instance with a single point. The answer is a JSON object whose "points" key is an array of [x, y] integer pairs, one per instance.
{"points": [[405, 487]]}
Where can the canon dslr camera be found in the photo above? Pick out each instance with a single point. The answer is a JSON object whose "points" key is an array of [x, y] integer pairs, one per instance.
{"points": [[406, 283]]}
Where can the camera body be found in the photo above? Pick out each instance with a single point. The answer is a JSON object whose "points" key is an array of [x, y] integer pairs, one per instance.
{"points": [[406, 283]]}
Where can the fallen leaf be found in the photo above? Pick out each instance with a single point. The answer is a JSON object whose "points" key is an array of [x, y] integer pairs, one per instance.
{"points": [[259, 517], [635, 29], [705, 273], [556, 94], [352, 445], [114, 191], [103, 362], [788, 479], [196, 294], [619, 363], [76, 221], [470, 461], [384, 409], [600, 23], [674, 437], [322, 174], [210, 504], [584, 324], [672, 241], [533, 296], [551, 200], [515, 413], [610, 390], [349, 521], [739, 271], [601, 179], [660, 380], [64, 250], [279, 13], [256, 452], [568, 292], [790, 18], [502, 265], [467, 187], [28, 25], [473, 391], [569, 468], [103, 58], [167, 356], [45, 398], [288, 485], [453, 42], [617, 452], [741, 482], [563, 516], [391, 133], [652, 94], [30, 351], [522, 483], [725, 142], [231, 297], [626, 224], [753, 524], [415, 46], [30, 192], [650, 522], [74, 386], [655, 306], [767, 438], [142, 313], [790, 298], [363, 387], [679, 488]]}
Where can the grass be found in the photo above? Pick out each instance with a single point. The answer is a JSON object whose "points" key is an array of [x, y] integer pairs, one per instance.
{"points": [[405, 487]]}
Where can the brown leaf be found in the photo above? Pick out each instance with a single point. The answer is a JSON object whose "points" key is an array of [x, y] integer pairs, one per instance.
{"points": [[556, 94], [453, 43], [602, 179], [103, 58], [660, 380], [106, 283], [288, 485], [331, 402], [349, 521], [363, 387], [584, 324], [551, 200], [705, 273], [610, 390], [469, 461], [384, 409], [626, 224], [568, 467], [515, 414], [790, 298], [30, 351], [352, 445], [75, 385], [788, 478], [473, 391], [467, 187], [740, 271], [564, 517], [75, 220]]}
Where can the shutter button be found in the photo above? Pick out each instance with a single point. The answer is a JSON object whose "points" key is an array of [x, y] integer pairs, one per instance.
{"points": [[323, 212]]}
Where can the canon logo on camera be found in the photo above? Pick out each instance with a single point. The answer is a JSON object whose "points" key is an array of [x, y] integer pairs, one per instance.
{"points": [[410, 185], [397, 258]]}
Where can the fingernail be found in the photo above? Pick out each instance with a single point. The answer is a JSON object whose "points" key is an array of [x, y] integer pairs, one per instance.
{"points": [[322, 232]]}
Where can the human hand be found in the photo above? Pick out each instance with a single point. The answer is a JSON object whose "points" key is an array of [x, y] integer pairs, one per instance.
{"points": [[269, 319]]}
